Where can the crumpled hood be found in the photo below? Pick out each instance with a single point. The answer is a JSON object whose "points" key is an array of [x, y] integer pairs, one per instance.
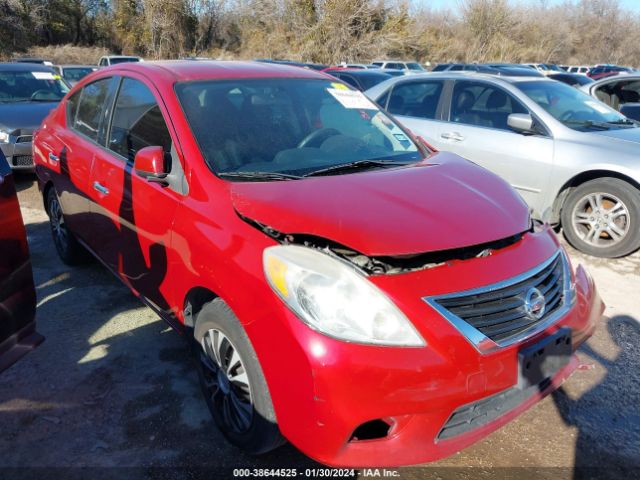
{"points": [[24, 116], [442, 203]]}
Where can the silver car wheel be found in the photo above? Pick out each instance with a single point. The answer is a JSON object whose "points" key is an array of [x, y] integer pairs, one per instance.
{"points": [[226, 381], [601, 219]]}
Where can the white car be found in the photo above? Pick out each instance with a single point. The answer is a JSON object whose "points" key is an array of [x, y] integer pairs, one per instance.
{"points": [[408, 67], [115, 59], [579, 69], [545, 68]]}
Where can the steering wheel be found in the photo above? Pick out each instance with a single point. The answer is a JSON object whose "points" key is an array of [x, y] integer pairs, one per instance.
{"points": [[317, 137], [40, 92], [568, 115]]}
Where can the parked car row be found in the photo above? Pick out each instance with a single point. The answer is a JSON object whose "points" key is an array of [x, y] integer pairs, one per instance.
{"points": [[309, 245], [594, 72]]}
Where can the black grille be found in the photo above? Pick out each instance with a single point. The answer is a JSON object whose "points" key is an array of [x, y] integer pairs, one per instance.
{"points": [[500, 313], [22, 160], [474, 415]]}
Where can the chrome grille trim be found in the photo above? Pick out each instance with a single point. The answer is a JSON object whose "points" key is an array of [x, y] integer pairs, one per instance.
{"points": [[559, 293]]}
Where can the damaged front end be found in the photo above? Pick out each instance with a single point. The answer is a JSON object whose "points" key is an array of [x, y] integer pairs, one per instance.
{"points": [[386, 264]]}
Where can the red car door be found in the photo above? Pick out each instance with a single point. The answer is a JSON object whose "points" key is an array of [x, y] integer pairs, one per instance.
{"points": [[17, 291], [135, 216], [67, 147]]}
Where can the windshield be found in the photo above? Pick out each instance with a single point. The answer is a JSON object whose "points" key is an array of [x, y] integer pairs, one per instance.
{"points": [[414, 66], [572, 107], [289, 126], [26, 86], [115, 60], [76, 74]]}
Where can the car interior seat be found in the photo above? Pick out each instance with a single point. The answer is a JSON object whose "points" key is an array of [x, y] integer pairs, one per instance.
{"points": [[496, 109], [463, 109]]}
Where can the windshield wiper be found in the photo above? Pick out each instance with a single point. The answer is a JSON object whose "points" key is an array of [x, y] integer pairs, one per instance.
{"points": [[623, 121], [258, 176], [357, 165], [589, 124]]}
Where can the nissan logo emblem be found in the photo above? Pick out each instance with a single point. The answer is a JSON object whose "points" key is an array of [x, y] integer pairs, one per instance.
{"points": [[534, 303]]}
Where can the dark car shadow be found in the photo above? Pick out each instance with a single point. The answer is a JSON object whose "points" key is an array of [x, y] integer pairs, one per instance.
{"points": [[608, 436], [23, 180]]}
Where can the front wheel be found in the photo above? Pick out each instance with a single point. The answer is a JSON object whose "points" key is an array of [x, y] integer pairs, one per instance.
{"points": [[232, 381], [602, 218]]}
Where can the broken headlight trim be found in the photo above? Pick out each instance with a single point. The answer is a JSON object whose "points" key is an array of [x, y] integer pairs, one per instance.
{"points": [[331, 297]]}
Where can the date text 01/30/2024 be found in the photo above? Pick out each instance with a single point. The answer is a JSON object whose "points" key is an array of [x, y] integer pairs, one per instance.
{"points": [[313, 472]]}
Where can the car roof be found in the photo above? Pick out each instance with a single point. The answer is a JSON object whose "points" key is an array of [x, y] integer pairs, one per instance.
{"points": [[448, 75], [362, 72], [186, 70], [76, 66], [23, 67], [472, 74], [616, 78]]}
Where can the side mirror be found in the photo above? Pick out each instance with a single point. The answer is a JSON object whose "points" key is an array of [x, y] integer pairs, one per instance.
{"points": [[520, 122], [150, 163]]}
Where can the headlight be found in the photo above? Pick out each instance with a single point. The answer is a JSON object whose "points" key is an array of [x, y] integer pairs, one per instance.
{"points": [[333, 298], [4, 136]]}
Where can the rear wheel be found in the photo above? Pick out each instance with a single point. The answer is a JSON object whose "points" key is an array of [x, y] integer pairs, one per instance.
{"points": [[232, 381], [602, 218], [69, 249]]}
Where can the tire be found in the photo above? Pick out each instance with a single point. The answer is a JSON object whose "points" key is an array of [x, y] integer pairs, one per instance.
{"points": [[248, 420], [69, 249], [602, 218]]}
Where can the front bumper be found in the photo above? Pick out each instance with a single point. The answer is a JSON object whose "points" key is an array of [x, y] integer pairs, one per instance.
{"points": [[19, 155], [414, 391]]}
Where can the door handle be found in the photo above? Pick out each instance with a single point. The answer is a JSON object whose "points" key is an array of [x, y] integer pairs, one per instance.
{"points": [[100, 188], [53, 158], [452, 136]]}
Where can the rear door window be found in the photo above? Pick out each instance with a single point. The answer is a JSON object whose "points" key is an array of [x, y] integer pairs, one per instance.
{"points": [[89, 116], [137, 121], [416, 99]]}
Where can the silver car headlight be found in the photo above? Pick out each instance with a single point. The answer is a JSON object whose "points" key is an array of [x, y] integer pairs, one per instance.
{"points": [[4, 136], [333, 298]]}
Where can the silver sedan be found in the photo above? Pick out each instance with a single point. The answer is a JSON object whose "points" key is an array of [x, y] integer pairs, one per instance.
{"points": [[575, 160]]}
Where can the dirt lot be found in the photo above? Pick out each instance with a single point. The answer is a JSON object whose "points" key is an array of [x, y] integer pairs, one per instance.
{"points": [[112, 391]]}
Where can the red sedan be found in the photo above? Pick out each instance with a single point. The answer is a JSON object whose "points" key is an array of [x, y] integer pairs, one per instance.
{"points": [[345, 288]]}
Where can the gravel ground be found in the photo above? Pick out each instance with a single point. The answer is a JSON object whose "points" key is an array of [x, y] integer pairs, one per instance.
{"points": [[112, 391]]}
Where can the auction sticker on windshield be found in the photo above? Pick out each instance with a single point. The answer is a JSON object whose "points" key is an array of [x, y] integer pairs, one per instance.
{"points": [[43, 75], [352, 99]]}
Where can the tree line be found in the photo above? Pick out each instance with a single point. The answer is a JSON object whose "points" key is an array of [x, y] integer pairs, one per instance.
{"points": [[329, 31]]}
